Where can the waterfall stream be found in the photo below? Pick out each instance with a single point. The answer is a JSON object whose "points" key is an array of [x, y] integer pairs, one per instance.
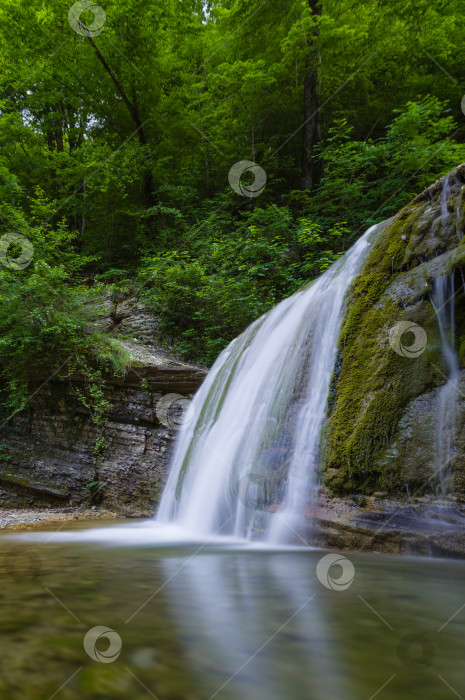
{"points": [[443, 304], [444, 198], [248, 462]]}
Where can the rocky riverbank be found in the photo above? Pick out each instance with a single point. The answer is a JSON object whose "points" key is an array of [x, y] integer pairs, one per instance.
{"points": [[415, 527], [418, 527], [20, 519]]}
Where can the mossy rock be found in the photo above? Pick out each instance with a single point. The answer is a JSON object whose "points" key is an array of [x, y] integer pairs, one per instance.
{"points": [[372, 384]]}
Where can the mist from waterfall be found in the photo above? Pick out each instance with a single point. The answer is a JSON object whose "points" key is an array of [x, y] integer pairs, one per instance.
{"points": [[249, 460]]}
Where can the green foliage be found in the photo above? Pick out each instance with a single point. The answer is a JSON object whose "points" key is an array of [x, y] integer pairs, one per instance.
{"points": [[95, 491], [371, 180], [209, 288], [4, 452], [48, 318], [203, 302], [115, 153]]}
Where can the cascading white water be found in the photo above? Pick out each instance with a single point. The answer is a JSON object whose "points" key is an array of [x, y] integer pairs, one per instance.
{"points": [[249, 459], [444, 197], [443, 304]]}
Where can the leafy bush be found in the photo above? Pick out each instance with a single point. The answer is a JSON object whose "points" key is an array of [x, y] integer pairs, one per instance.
{"points": [[205, 302], [47, 318], [368, 181]]}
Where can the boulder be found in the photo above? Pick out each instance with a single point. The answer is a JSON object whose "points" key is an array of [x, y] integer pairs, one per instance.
{"points": [[383, 414]]}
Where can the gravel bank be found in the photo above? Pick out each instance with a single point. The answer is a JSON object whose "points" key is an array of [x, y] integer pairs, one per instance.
{"points": [[17, 519]]}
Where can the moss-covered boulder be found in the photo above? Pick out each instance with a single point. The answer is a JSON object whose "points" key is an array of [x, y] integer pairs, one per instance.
{"points": [[375, 393]]}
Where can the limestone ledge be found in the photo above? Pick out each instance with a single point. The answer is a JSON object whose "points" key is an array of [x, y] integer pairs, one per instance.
{"points": [[414, 527], [47, 451]]}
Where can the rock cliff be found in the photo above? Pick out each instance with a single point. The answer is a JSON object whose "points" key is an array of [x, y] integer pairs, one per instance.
{"points": [[47, 451]]}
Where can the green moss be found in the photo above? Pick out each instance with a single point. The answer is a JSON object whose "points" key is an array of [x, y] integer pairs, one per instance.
{"points": [[460, 209], [374, 383], [34, 485]]}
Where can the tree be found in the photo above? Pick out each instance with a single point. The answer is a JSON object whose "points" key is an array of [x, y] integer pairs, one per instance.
{"points": [[312, 127]]}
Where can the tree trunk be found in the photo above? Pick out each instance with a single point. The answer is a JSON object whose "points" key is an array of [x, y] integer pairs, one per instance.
{"points": [[133, 109], [312, 132]]}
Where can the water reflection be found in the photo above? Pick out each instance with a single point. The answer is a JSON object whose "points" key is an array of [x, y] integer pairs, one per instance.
{"points": [[242, 636], [264, 627], [197, 623]]}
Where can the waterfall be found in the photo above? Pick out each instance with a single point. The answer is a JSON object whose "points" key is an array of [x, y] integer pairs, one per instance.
{"points": [[444, 197], [443, 304], [249, 460]]}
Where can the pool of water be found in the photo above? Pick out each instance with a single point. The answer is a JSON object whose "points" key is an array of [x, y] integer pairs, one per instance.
{"points": [[103, 614]]}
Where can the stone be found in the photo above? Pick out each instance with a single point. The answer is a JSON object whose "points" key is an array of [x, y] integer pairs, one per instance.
{"points": [[132, 318]]}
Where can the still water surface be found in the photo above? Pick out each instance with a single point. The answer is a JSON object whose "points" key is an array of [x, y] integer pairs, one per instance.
{"points": [[223, 621]]}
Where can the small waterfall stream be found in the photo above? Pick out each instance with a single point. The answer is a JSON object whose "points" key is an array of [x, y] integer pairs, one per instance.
{"points": [[444, 197], [443, 304], [249, 459]]}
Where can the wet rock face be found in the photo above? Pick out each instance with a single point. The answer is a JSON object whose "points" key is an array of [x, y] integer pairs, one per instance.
{"points": [[47, 456], [411, 455], [421, 529], [384, 407], [127, 316]]}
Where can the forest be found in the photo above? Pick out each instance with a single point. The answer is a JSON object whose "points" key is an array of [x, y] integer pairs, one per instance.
{"points": [[208, 157], [232, 349]]}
